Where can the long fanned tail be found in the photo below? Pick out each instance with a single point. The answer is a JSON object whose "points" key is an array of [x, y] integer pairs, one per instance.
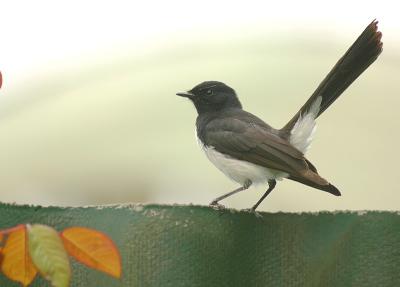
{"points": [[356, 60]]}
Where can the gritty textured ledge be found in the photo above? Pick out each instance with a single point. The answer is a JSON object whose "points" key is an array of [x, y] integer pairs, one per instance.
{"points": [[177, 245], [140, 206]]}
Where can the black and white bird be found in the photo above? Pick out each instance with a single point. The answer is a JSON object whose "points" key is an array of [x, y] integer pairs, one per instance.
{"points": [[249, 151]]}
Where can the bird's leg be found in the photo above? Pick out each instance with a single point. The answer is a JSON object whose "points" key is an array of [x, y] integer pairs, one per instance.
{"points": [[271, 184], [215, 203]]}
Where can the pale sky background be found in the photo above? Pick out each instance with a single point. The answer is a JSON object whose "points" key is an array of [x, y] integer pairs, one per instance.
{"points": [[39, 34], [88, 83]]}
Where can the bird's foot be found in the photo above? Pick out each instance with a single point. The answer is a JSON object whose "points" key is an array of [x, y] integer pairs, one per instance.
{"points": [[253, 211], [215, 205]]}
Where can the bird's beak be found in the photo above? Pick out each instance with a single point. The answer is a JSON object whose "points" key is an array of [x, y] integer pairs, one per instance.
{"points": [[186, 95]]}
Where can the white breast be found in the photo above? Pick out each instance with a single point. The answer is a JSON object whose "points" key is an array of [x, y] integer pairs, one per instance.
{"points": [[241, 171]]}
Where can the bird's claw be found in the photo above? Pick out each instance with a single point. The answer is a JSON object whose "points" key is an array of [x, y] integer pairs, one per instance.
{"points": [[253, 211], [215, 205]]}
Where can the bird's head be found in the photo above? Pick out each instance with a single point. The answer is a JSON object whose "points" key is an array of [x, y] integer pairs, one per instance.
{"points": [[212, 96]]}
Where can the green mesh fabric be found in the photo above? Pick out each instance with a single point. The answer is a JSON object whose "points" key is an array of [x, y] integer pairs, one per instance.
{"points": [[199, 246]]}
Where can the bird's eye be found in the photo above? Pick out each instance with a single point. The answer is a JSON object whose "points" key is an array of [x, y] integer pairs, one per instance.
{"points": [[209, 92]]}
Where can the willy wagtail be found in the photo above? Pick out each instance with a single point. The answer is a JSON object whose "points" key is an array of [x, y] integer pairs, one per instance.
{"points": [[249, 151]]}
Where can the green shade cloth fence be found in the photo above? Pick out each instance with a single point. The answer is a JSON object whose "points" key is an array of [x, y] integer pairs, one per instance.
{"points": [[198, 246]]}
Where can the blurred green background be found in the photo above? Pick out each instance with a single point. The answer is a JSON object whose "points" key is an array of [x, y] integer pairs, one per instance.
{"points": [[88, 112]]}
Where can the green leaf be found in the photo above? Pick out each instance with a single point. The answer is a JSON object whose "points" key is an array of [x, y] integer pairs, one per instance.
{"points": [[48, 254]]}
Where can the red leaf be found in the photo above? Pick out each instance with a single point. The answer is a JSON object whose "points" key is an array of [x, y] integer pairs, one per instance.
{"points": [[93, 248]]}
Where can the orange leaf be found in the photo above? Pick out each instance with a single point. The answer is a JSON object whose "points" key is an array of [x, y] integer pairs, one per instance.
{"points": [[16, 263], [92, 248], [1, 246]]}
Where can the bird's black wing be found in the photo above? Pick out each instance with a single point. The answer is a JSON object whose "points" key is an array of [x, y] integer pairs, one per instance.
{"points": [[243, 137]]}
